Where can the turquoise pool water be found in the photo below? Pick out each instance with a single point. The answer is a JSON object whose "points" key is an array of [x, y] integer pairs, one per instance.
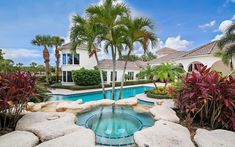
{"points": [[92, 96], [114, 126]]}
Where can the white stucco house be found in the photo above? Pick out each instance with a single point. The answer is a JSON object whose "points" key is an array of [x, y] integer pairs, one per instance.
{"points": [[203, 55], [70, 63]]}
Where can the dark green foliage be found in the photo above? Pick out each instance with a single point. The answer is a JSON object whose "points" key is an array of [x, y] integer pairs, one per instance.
{"points": [[86, 77], [52, 79], [41, 94]]}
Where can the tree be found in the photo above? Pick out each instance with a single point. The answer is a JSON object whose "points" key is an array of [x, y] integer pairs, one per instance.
{"points": [[1, 55], [33, 67], [109, 14], [56, 42], [129, 58], [167, 72], [45, 41], [138, 31], [148, 56], [87, 31], [227, 46]]}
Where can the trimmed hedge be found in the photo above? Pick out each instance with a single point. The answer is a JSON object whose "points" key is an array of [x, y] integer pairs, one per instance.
{"points": [[52, 78], [133, 82], [86, 77]]}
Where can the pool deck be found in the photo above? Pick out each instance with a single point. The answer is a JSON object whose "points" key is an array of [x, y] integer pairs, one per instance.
{"points": [[68, 92]]}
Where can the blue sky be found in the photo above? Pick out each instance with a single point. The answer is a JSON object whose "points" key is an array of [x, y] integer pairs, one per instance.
{"points": [[180, 24]]}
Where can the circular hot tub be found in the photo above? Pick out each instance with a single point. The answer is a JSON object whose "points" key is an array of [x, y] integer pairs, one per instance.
{"points": [[115, 126]]}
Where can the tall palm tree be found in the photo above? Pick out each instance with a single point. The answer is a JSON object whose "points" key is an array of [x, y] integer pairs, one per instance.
{"points": [[108, 14], [227, 45], [138, 31], [167, 72], [45, 41], [87, 31], [56, 42]]}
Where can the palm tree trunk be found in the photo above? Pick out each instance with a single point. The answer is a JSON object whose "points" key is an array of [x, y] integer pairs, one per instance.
{"points": [[123, 76], [46, 61], [57, 56], [231, 65], [114, 71], [101, 76]]}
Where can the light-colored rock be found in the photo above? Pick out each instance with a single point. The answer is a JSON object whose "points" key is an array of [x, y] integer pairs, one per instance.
{"points": [[141, 109], [18, 139], [164, 134], [127, 102], [36, 108], [80, 138], [214, 138], [164, 113], [166, 102], [47, 125], [105, 102]]}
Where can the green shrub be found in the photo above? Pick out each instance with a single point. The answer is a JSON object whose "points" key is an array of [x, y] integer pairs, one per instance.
{"points": [[86, 77], [133, 82], [159, 93], [76, 87], [52, 79]]}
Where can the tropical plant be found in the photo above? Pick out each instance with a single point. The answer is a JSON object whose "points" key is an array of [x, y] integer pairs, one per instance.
{"points": [[129, 58], [56, 42], [227, 46], [148, 56], [87, 31], [140, 75], [208, 97], [109, 14], [138, 32], [7, 65], [167, 72], [45, 41], [16, 88]]}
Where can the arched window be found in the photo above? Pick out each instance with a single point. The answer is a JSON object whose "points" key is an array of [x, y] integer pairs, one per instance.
{"points": [[193, 66]]}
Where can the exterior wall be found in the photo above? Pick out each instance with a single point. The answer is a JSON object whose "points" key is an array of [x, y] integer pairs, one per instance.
{"points": [[208, 60], [119, 74], [85, 61], [220, 67]]}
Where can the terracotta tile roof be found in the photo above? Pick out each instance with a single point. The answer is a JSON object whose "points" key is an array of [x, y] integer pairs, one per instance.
{"points": [[108, 64], [166, 50], [206, 49], [168, 58], [67, 46]]}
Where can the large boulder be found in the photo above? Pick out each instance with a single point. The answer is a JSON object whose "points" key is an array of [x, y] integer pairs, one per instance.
{"points": [[127, 102], [47, 125], [215, 138], [166, 102], [164, 134], [164, 113], [80, 138], [18, 139]]}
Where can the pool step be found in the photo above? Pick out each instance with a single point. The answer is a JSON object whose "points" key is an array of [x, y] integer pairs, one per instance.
{"points": [[127, 141]]}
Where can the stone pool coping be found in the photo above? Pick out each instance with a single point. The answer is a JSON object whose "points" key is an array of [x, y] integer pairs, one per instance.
{"points": [[57, 91]]}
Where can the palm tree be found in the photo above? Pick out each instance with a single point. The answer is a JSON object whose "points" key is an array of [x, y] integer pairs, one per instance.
{"points": [[227, 46], [108, 14], [56, 42], [45, 41], [167, 72], [149, 74], [137, 32], [87, 31]]}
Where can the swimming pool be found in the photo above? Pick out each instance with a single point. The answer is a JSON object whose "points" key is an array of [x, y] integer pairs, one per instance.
{"points": [[114, 126], [92, 96]]}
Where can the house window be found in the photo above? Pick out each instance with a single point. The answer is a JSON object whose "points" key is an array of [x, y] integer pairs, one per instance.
{"points": [[112, 75], [69, 76], [130, 75], [105, 75], [77, 60], [64, 58], [69, 59], [64, 76]]}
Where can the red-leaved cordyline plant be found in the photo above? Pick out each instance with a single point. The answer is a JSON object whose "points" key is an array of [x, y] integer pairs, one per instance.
{"points": [[208, 97], [15, 89]]}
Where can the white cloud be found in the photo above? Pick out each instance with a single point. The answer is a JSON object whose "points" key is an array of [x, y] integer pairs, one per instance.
{"points": [[222, 29], [177, 43], [21, 53], [210, 24], [224, 25], [233, 18]]}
